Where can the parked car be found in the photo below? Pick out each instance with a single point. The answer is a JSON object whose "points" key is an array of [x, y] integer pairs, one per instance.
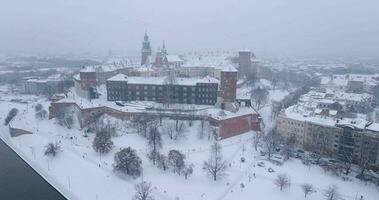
{"points": [[120, 103], [261, 164]]}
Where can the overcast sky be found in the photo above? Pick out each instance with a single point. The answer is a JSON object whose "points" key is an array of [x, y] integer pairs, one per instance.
{"points": [[268, 27]]}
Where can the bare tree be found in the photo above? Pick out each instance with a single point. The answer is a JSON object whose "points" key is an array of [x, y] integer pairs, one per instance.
{"points": [[257, 139], [347, 162], [169, 129], [204, 127], [52, 149], [270, 142], [363, 164], [144, 191], [259, 97], [176, 161], [331, 193], [307, 189], [174, 130], [215, 166], [142, 123], [289, 145], [188, 170], [154, 142], [65, 118], [282, 181]]}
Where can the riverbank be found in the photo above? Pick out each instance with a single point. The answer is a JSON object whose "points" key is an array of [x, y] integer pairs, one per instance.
{"points": [[60, 190]]}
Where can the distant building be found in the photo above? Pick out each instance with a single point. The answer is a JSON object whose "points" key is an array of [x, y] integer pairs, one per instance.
{"points": [[161, 89], [245, 66], [173, 61], [146, 50], [337, 138], [49, 86]]}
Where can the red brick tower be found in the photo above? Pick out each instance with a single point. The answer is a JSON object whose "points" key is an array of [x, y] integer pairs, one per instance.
{"points": [[87, 80], [228, 89]]}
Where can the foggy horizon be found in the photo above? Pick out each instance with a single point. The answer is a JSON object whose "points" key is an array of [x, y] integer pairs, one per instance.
{"points": [[342, 28]]}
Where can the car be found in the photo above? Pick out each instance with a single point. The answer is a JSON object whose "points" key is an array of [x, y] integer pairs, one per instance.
{"points": [[261, 164], [120, 103], [270, 170], [300, 151]]}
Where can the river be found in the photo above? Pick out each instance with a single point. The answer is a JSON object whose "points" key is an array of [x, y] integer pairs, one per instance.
{"points": [[18, 181]]}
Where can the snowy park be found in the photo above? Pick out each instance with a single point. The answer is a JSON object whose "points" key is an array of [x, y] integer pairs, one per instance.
{"points": [[86, 174]]}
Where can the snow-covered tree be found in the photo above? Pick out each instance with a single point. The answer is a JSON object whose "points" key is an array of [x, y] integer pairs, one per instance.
{"points": [[162, 162], [176, 161], [12, 113], [259, 97], [127, 162], [307, 189], [38, 107], [215, 167], [142, 123], [52, 149], [175, 129], [41, 114], [65, 118], [102, 143], [331, 193], [282, 181], [154, 142], [144, 191], [188, 170]]}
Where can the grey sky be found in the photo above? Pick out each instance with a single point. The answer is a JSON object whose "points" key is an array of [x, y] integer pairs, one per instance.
{"points": [[268, 27]]}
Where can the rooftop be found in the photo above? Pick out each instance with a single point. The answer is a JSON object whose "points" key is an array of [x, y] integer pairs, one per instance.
{"points": [[162, 80]]}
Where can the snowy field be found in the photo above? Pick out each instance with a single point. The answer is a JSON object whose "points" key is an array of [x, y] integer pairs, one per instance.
{"points": [[88, 176]]}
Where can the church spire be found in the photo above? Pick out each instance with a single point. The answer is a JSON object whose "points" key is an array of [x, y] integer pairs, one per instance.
{"points": [[146, 49], [164, 50]]}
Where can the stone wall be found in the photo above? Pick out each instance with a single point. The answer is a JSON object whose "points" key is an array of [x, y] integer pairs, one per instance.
{"points": [[227, 127]]}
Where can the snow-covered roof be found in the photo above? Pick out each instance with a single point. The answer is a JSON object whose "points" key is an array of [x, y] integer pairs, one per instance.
{"points": [[353, 123], [351, 96], [162, 80], [173, 58], [229, 69], [245, 50], [373, 127]]}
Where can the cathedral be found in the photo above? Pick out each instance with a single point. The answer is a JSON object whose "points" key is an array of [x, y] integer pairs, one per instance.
{"points": [[162, 58]]}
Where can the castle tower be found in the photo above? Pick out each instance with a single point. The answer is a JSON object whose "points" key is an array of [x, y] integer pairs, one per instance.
{"points": [[244, 62], [146, 49], [228, 89]]}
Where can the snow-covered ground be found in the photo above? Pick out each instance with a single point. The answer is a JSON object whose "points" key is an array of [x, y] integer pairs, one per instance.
{"points": [[89, 176]]}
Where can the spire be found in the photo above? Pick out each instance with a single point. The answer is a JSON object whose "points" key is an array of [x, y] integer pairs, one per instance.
{"points": [[145, 37], [164, 50], [146, 49]]}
